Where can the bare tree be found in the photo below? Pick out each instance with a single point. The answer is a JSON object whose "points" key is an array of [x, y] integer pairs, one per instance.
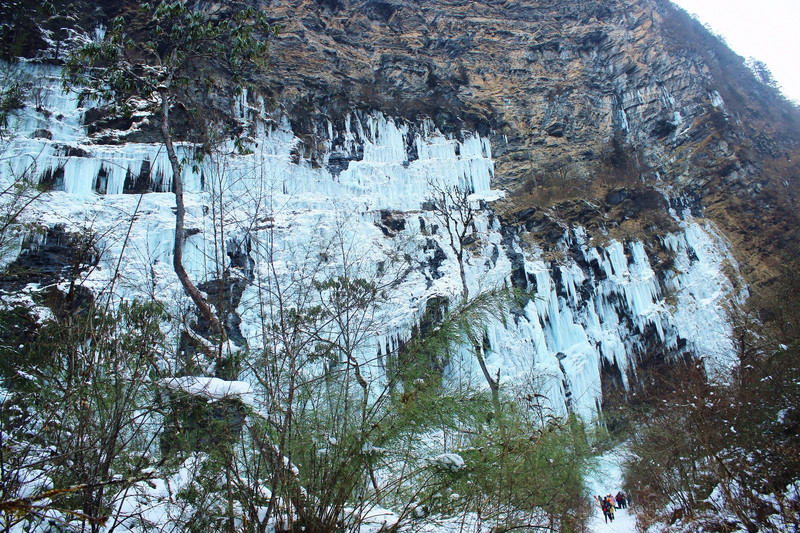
{"points": [[323, 419], [453, 209]]}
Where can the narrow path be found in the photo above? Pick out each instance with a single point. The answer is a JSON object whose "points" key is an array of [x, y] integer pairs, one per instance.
{"points": [[623, 522], [606, 478]]}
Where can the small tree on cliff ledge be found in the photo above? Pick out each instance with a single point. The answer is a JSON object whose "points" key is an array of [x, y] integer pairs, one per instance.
{"points": [[452, 207], [455, 211], [155, 60]]}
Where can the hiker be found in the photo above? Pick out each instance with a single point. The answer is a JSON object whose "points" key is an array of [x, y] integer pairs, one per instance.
{"points": [[607, 512], [611, 508], [621, 500], [599, 501]]}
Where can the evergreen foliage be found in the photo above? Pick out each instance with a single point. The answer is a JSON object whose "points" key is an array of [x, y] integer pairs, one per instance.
{"points": [[80, 413], [442, 331], [171, 47]]}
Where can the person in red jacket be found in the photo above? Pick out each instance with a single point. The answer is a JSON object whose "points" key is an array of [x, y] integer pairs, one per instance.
{"points": [[607, 508], [621, 500], [611, 507]]}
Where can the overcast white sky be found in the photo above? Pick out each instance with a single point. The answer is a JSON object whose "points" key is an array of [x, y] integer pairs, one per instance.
{"points": [[768, 30]]}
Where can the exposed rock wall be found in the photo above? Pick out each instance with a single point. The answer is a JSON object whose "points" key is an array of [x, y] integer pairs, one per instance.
{"points": [[615, 93], [578, 99]]}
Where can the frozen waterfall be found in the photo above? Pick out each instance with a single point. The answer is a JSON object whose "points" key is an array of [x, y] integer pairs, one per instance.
{"points": [[298, 217]]}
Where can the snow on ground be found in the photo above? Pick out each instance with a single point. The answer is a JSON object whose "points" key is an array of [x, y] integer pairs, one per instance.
{"points": [[606, 478], [623, 522]]}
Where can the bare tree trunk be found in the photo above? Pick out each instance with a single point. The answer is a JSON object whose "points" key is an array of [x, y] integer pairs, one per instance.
{"points": [[462, 273], [494, 384], [180, 212]]}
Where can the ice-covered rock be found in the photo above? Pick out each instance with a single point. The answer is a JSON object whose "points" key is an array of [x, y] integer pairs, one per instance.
{"points": [[362, 211]]}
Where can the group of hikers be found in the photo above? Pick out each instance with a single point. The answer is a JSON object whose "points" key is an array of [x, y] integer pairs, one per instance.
{"points": [[610, 503]]}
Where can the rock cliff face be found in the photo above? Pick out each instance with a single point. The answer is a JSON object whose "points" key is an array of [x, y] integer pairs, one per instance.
{"points": [[578, 99], [586, 100]]}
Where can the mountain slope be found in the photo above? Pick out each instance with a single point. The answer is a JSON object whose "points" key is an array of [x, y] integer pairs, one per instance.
{"points": [[434, 233]]}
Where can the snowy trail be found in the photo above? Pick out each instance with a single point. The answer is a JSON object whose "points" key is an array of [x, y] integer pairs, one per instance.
{"points": [[623, 522], [606, 478]]}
